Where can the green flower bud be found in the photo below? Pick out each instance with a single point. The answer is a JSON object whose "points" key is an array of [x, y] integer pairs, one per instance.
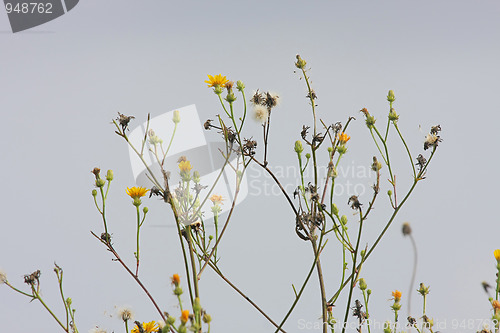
{"points": [[239, 85], [362, 284], [376, 165], [196, 305], [298, 147], [393, 116], [145, 210], [109, 175], [370, 121], [94, 192], [389, 192], [343, 219], [362, 252], [196, 177], [423, 290], [300, 63], [210, 237], [230, 98], [335, 209], [178, 291], [330, 149], [390, 96], [369, 292], [387, 327], [170, 320], [207, 318], [308, 156], [177, 117], [69, 301], [100, 182], [182, 329]]}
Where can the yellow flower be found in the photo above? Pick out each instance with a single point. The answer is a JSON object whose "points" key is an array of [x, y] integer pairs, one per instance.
{"points": [[176, 279], [496, 305], [217, 80], [216, 199], [343, 138], [397, 295], [496, 253], [150, 327], [184, 316], [185, 166], [136, 192]]}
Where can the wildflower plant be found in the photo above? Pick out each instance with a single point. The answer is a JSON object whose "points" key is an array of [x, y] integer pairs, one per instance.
{"points": [[316, 214]]}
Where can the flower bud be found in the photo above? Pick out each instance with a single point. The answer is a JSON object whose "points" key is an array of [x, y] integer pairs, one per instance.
{"points": [[370, 121], [239, 85], [145, 210], [423, 290], [376, 165], [207, 318], [406, 229], [362, 284], [343, 220], [342, 149], [109, 175], [389, 192], [396, 306], [170, 320], [298, 147], [196, 177], [230, 98], [69, 301], [369, 292], [177, 117], [100, 182], [308, 156], [196, 305], [335, 209], [390, 96], [496, 254], [178, 291], [393, 116], [94, 192], [300, 63]]}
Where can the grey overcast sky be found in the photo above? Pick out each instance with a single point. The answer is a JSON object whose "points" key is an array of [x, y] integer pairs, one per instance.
{"points": [[62, 82]]}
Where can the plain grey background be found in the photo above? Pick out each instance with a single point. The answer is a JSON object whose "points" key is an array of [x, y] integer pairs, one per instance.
{"points": [[64, 81]]}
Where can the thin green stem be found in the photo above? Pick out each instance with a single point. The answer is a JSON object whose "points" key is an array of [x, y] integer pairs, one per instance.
{"points": [[407, 150], [354, 268]]}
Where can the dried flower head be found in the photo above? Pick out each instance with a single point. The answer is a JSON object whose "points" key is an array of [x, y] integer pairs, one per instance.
{"points": [[217, 81], [271, 100], [123, 120], [3, 277], [354, 202], [396, 294], [406, 229], [125, 314], [257, 98], [136, 192], [261, 113]]}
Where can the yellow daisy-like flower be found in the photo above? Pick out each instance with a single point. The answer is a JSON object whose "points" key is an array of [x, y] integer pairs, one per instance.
{"points": [[216, 199], [150, 327], [176, 279], [496, 253], [496, 305], [397, 295], [136, 192], [184, 316], [343, 138], [185, 166], [217, 80]]}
